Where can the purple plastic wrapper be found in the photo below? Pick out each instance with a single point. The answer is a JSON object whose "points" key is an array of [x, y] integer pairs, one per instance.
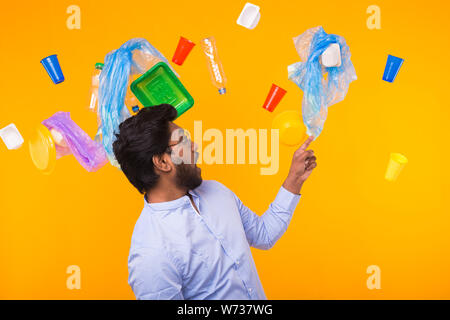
{"points": [[89, 153]]}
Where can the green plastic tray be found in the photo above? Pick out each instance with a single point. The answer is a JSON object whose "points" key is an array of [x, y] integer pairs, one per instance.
{"points": [[160, 85]]}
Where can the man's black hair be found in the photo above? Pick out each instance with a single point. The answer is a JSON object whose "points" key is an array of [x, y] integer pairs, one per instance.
{"points": [[141, 137]]}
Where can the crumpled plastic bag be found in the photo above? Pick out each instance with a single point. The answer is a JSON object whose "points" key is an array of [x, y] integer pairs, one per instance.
{"points": [[319, 92], [135, 56], [90, 154]]}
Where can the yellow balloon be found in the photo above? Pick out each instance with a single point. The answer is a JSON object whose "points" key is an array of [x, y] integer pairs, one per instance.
{"points": [[291, 128]]}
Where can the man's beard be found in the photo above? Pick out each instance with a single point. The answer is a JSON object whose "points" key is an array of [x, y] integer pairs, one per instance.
{"points": [[188, 176]]}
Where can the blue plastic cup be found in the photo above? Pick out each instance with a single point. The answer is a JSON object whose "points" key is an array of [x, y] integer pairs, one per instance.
{"points": [[393, 65], [51, 64]]}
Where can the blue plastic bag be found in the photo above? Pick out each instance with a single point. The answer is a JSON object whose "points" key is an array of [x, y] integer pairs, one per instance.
{"points": [[131, 58], [319, 92]]}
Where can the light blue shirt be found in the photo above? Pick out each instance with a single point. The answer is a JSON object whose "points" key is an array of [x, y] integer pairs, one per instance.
{"points": [[177, 253]]}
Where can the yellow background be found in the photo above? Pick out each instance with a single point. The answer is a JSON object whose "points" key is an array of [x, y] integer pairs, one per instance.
{"points": [[349, 217]]}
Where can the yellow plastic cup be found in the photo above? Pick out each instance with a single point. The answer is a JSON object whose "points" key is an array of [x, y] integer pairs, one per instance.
{"points": [[396, 164], [291, 128]]}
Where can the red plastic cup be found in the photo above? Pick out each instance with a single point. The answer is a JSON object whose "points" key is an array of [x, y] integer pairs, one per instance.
{"points": [[274, 97], [184, 47]]}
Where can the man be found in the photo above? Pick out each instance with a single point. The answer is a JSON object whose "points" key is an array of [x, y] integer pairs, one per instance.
{"points": [[193, 237]]}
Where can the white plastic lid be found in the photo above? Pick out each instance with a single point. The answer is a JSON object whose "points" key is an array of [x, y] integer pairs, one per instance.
{"points": [[331, 57], [11, 137], [249, 16]]}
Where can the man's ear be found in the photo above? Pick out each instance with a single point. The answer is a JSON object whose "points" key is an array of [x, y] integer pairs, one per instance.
{"points": [[162, 162]]}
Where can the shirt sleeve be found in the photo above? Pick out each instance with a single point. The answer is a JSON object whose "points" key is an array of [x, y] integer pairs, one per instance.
{"points": [[153, 275], [263, 231]]}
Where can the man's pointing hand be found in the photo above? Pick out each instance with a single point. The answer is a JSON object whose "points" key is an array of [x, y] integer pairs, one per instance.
{"points": [[303, 163]]}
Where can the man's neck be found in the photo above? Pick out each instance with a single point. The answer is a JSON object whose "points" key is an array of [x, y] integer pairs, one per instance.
{"points": [[164, 193]]}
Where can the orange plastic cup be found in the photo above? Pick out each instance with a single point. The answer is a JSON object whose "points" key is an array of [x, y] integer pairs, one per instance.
{"points": [[274, 97], [184, 47]]}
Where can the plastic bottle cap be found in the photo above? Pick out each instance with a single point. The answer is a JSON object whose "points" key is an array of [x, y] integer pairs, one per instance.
{"points": [[135, 109], [99, 66]]}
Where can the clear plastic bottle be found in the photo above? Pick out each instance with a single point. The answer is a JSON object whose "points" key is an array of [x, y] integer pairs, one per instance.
{"points": [[130, 99], [214, 64], [93, 94]]}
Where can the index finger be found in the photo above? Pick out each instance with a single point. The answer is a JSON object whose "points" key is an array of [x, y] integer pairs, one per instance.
{"points": [[306, 144]]}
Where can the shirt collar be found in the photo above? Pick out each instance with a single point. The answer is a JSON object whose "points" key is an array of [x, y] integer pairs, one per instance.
{"points": [[173, 204], [193, 193]]}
